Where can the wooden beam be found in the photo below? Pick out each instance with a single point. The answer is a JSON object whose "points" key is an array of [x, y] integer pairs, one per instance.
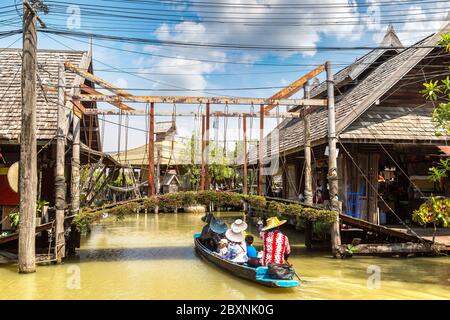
{"points": [[294, 87], [119, 105], [93, 111], [198, 100], [97, 80], [394, 248]]}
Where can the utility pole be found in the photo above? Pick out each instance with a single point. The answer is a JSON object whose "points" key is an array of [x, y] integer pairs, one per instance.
{"points": [[60, 179], [332, 163], [308, 177], [28, 160]]}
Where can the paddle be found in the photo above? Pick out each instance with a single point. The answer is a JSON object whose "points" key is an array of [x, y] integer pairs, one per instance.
{"points": [[290, 266]]}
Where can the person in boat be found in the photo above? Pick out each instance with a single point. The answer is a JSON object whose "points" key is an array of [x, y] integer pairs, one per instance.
{"points": [[252, 253], [212, 232], [223, 247], [237, 248], [276, 244], [236, 251]]}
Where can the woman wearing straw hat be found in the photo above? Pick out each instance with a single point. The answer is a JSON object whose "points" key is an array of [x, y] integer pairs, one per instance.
{"points": [[237, 249], [276, 244]]}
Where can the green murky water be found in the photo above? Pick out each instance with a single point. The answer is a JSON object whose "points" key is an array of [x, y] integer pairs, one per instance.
{"points": [[152, 257]]}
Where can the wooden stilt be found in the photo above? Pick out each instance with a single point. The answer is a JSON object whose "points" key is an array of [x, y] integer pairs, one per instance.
{"points": [[75, 187], [261, 150], [60, 179], [332, 162], [244, 126], [28, 165], [207, 179], [308, 177], [203, 155], [151, 152]]}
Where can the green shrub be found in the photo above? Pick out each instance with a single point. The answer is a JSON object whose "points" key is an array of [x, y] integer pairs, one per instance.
{"points": [[258, 202], [294, 209], [150, 203], [276, 206], [207, 197], [125, 209], [188, 198]]}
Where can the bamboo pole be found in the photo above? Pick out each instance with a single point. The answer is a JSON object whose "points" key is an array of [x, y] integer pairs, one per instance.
{"points": [[28, 165], [332, 163], [60, 180]]}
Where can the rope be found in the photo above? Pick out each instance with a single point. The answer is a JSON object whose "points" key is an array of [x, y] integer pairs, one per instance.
{"points": [[376, 191]]}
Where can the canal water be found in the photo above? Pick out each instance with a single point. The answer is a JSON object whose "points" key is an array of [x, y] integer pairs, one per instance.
{"points": [[152, 257]]}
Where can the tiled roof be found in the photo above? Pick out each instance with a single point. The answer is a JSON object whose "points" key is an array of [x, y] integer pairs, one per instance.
{"points": [[10, 89], [395, 124], [352, 104]]}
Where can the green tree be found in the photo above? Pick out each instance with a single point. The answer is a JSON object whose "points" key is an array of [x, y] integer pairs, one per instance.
{"points": [[436, 210]]}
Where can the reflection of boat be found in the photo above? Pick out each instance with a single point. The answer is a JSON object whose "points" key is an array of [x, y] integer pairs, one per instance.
{"points": [[258, 275]]}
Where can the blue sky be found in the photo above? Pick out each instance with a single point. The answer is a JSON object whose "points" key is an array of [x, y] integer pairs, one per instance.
{"points": [[148, 70]]}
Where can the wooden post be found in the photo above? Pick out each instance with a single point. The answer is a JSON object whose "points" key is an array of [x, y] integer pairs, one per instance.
{"points": [[75, 187], [28, 165], [308, 177], [207, 180], [244, 126], [203, 154], [332, 163], [151, 152], [60, 179], [260, 150]]}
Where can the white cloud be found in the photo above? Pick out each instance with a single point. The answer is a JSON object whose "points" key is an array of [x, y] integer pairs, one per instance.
{"points": [[275, 28]]}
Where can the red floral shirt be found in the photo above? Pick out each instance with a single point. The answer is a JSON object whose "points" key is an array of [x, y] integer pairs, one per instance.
{"points": [[276, 245]]}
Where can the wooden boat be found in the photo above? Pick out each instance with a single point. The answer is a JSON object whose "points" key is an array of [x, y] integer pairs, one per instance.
{"points": [[258, 275]]}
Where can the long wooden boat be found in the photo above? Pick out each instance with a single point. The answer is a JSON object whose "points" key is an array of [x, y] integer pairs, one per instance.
{"points": [[258, 275]]}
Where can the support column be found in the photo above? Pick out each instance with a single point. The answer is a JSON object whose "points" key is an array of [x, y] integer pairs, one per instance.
{"points": [[207, 179], [244, 126], [75, 186], [60, 179], [203, 154], [260, 150], [28, 165], [308, 176], [332, 163], [151, 152]]}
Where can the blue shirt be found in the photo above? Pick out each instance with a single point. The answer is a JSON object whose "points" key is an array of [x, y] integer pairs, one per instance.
{"points": [[251, 252]]}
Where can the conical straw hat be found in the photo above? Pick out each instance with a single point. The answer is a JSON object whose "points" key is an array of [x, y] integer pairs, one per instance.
{"points": [[273, 222], [13, 177]]}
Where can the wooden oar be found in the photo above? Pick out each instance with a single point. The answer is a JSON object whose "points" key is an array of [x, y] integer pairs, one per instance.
{"points": [[290, 266]]}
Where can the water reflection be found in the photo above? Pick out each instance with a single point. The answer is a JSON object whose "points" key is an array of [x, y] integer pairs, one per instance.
{"points": [[152, 257]]}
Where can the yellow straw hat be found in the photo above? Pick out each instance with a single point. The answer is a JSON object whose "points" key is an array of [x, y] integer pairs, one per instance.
{"points": [[273, 222]]}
